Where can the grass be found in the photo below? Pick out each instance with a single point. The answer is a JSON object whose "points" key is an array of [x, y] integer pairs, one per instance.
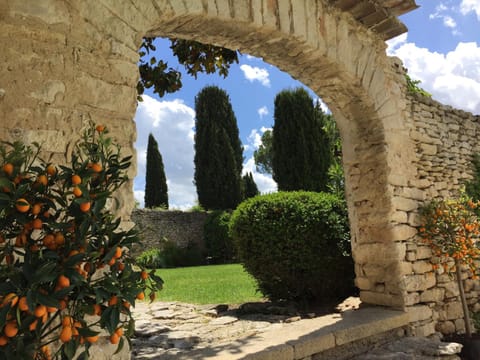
{"points": [[213, 284]]}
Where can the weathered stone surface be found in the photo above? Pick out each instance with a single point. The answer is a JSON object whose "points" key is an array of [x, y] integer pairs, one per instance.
{"points": [[78, 62]]}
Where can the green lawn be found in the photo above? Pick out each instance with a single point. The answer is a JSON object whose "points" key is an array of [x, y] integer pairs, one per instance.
{"points": [[212, 284]]}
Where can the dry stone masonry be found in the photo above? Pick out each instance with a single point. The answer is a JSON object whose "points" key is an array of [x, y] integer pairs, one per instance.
{"points": [[179, 227], [64, 63]]}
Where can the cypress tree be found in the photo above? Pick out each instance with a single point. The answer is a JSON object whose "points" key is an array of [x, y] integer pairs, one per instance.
{"points": [[249, 186], [156, 190], [218, 151], [299, 145]]}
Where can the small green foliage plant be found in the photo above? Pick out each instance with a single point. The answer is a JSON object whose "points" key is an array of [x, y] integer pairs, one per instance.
{"points": [[66, 277], [414, 88], [296, 245]]}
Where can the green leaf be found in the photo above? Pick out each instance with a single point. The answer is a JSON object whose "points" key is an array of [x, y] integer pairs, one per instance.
{"points": [[69, 349], [120, 346], [44, 273]]}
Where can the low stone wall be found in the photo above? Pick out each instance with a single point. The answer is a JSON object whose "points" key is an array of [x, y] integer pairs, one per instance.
{"points": [[155, 226]]}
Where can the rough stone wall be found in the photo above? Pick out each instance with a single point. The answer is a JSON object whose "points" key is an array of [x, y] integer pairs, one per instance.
{"points": [[183, 228], [445, 141]]}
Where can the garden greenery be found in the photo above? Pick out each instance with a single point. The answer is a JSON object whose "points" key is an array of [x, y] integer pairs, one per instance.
{"points": [[296, 245], [63, 254]]}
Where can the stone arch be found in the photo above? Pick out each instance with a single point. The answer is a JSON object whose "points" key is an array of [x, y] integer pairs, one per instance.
{"points": [[346, 65], [77, 60]]}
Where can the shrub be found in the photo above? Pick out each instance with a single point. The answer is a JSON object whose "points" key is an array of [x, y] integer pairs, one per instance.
{"points": [[63, 252], [218, 242], [151, 259], [296, 244], [173, 255], [170, 256]]}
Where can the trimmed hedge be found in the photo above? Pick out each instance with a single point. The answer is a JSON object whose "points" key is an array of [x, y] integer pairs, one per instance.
{"points": [[218, 243], [296, 245]]}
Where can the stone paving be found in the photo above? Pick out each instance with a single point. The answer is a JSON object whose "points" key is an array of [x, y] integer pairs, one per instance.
{"points": [[172, 330]]}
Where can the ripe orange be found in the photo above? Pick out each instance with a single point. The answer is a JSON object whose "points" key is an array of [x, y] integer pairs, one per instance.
{"points": [[141, 295], [33, 325], [67, 321], [100, 128], [66, 334], [37, 223], [49, 242], [63, 304], [96, 167], [40, 311], [59, 239], [8, 169], [97, 309], [22, 205], [11, 298], [10, 329], [63, 281], [84, 207], [36, 209], [126, 305], [144, 275], [113, 301], [42, 179], [118, 252], [76, 180], [114, 339], [51, 170], [3, 340], [92, 339], [119, 331], [22, 303], [77, 191], [112, 261]]}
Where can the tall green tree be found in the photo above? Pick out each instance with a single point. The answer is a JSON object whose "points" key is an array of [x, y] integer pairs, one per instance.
{"points": [[264, 154], [218, 151], [300, 145], [156, 190], [250, 188]]}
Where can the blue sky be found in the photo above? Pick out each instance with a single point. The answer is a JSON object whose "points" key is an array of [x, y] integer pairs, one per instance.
{"points": [[442, 49]]}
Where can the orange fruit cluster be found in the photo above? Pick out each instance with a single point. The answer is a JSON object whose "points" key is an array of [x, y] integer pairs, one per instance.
{"points": [[56, 232]]}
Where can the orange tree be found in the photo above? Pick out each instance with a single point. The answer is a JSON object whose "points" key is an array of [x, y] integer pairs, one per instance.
{"points": [[65, 271], [451, 229]]}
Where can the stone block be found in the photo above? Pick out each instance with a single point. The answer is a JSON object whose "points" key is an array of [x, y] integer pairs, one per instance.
{"points": [[421, 267], [402, 232], [419, 313], [433, 295], [419, 282], [424, 252], [425, 329], [445, 327], [404, 204], [399, 217]]}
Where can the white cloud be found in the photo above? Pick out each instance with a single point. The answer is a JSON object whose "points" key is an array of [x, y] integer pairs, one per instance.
{"points": [[323, 106], [445, 76], [171, 123], [263, 111], [470, 5], [264, 182], [254, 73], [447, 20]]}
